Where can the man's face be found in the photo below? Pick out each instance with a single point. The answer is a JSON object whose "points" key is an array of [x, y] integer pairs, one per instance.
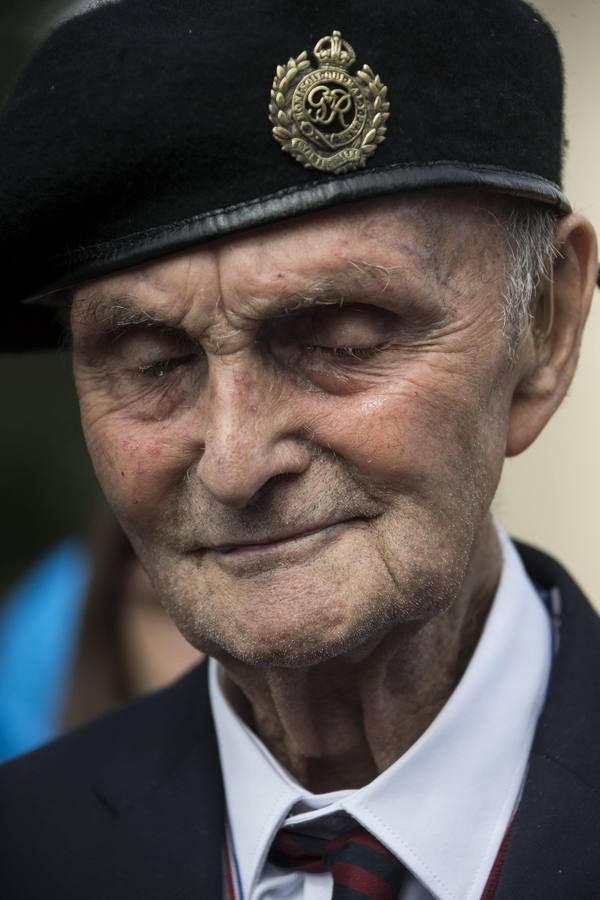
{"points": [[301, 428]]}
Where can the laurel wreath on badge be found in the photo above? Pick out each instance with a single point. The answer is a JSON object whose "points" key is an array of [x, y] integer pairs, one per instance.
{"points": [[326, 118]]}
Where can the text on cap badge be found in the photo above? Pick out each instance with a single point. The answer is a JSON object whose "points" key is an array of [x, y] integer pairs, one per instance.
{"points": [[326, 118]]}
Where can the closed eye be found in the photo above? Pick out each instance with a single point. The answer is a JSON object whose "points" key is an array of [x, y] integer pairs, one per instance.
{"points": [[345, 353], [342, 332], [163, 367]]}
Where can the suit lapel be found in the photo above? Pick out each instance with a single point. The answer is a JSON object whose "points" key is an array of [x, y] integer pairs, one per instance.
{"points": [[163, 798], [553, 850]]}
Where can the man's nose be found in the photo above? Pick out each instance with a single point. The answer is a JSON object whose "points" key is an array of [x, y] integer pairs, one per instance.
{"points": [[250, 434]]}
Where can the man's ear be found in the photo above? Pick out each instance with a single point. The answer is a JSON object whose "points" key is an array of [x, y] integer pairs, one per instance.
{"points": [[549, 354]]}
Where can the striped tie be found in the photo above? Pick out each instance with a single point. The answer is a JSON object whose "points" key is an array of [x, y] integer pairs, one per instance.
{"points": [[361, 867]]}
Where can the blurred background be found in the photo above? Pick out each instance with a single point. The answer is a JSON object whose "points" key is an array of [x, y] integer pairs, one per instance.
{"points": [[81, 629], [55, 528], [550, 496], [46, 483]]}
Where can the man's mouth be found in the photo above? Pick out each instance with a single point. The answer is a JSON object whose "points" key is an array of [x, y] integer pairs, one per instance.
{"points": [[280, 539]]}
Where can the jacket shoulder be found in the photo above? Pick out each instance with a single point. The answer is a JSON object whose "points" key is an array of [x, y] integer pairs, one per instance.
{"points": [[76, 783], [143, 722], [67, 806]]}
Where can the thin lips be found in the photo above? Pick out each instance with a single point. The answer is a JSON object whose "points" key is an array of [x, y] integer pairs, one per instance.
{"points": [[274, 539]]}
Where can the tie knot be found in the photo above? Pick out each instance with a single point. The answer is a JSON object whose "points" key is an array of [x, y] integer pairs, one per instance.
{"points": [[360, 865]]}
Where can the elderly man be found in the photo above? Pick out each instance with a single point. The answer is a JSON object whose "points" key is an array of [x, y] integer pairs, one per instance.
{"points": [[313, 305]]}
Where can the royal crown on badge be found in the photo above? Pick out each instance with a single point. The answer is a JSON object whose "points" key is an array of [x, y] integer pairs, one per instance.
{"points": [[326, 118]]}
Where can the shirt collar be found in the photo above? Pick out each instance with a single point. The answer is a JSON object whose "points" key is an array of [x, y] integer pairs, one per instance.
{"points": [[444, 806]]}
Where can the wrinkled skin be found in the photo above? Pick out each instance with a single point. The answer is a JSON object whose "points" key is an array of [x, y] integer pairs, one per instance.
{"points": [[344, 374]]}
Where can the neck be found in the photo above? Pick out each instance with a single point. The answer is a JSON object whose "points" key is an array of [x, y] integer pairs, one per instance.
{"points": [[340, 723]]}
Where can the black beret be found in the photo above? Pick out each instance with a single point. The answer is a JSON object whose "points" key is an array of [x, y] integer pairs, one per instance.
{"points": [[144, 127]]}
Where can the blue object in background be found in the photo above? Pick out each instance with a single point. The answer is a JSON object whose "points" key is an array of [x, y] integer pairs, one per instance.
{"points": [[39, 628]]}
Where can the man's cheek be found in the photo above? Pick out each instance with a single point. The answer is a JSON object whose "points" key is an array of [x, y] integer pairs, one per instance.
{"points": [[134, 466], [397, 432]]}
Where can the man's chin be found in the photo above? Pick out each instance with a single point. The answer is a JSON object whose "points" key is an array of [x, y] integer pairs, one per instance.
{"points": [[295, 615], [312, 633], [293, 652]]}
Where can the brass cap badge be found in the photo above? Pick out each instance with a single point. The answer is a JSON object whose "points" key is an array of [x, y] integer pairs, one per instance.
{"points": [[327, 118]]}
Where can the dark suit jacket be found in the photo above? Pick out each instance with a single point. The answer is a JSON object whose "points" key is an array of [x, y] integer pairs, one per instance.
{"points": [[131, 806]]}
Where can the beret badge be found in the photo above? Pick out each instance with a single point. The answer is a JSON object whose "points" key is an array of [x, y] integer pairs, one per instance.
{"points": [[327, 118]]}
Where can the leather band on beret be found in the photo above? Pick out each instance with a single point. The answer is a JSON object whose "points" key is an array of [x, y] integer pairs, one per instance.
{"points": [[84, 263]]}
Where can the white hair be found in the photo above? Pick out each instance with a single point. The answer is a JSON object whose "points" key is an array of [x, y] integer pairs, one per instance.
{"points": [[529, 231]]}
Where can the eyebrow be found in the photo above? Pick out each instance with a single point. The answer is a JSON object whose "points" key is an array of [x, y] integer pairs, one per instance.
{"points": [[117, 313], [358, 279], [331, 289]]}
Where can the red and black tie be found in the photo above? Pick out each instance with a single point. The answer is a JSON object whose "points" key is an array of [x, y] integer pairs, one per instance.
{"points": [[361, 867]]}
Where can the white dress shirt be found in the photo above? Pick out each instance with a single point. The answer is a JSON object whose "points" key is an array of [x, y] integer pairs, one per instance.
{"points": [[444, 806]]}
